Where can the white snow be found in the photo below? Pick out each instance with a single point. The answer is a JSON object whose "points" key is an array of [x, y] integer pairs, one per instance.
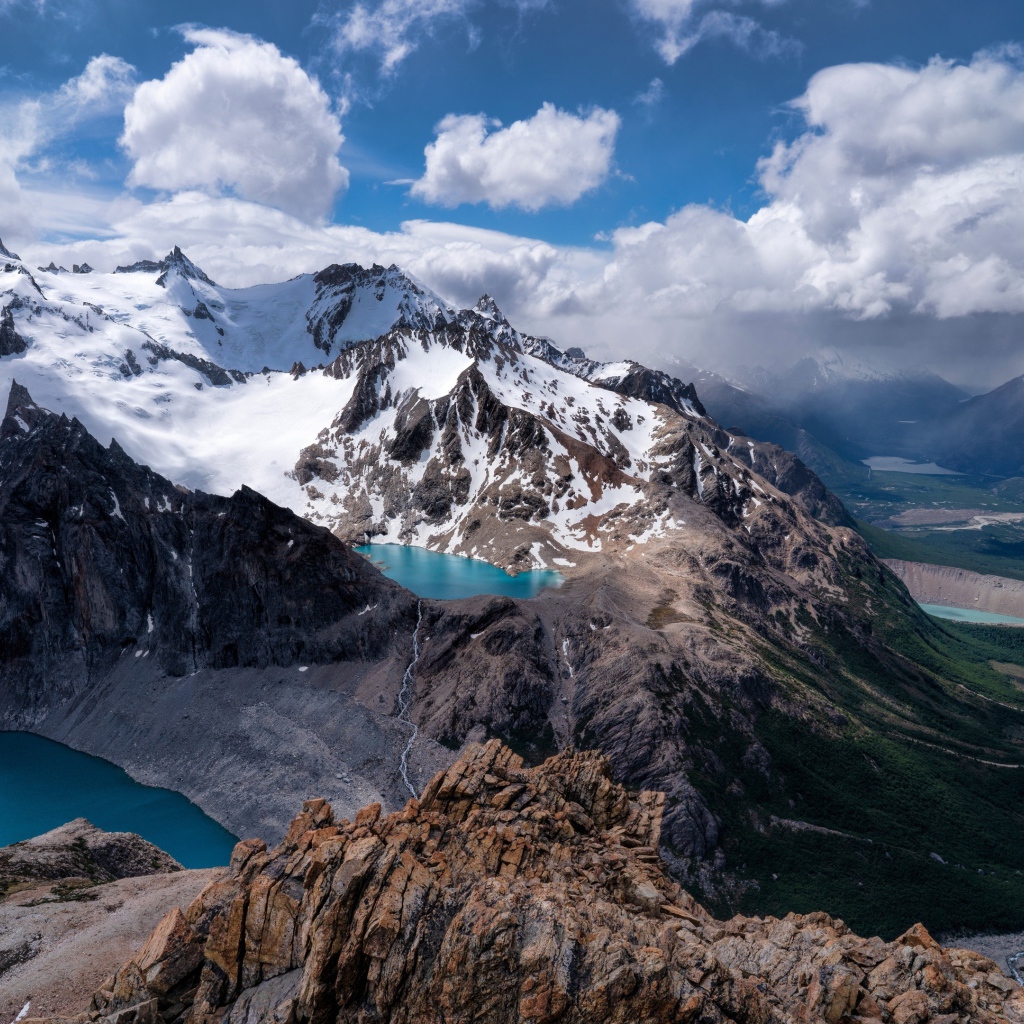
{"points": [[216, 437]]}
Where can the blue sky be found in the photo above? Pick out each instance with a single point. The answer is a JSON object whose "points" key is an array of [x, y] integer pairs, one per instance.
{"points": [[665, 108]]}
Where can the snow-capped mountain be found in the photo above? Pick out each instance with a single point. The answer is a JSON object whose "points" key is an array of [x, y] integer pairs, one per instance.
{"points": [[362, 400]]}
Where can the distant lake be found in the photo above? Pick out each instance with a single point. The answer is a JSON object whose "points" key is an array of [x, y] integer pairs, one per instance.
{"points": [[449, 577], [894, 464], [44, 785], [970, 615]]}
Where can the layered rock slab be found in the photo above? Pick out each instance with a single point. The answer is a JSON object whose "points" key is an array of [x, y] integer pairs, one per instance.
{"points": [[508, 894]]}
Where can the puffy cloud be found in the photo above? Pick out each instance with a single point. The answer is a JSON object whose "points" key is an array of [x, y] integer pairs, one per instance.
{"points": [[895, 219], [236, 115], [241, 243], [682, 26], [552, 158]]}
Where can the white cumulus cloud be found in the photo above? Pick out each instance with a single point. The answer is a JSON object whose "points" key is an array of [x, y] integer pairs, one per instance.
{"points": [[894, 219], [552, 158], [236, 115]]}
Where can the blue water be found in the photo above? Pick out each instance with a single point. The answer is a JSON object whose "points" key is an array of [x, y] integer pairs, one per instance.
{"points": [[970, 615], [45, 784], [447, 577]]}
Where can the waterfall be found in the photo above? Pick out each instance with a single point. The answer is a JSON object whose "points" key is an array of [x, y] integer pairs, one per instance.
{"points": [[405, 700]]}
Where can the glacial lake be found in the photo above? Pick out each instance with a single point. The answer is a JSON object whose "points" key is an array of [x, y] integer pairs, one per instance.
{"points": [[44, 785], [449, 577], [894, 464], [941, 611]]}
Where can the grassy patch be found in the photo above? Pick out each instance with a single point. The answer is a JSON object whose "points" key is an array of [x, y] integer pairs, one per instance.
{"points": [[910, 753], [664, 615]]}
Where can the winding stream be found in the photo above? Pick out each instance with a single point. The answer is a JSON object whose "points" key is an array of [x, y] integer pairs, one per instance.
{"points": [[405, 697]]}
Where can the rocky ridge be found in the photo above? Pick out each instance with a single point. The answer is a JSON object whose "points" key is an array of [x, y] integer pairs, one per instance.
{"points": [[102, 558], [389, 413], [79, 854], [507, 894]]}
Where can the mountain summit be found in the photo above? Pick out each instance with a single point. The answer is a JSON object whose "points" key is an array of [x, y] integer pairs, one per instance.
{"points": [[175, 260], [360, 399]]}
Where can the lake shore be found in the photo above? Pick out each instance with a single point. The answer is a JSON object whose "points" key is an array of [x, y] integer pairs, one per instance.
{"points": [[960, 588]]}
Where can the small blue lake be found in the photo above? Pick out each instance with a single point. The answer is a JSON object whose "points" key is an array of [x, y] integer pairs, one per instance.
{"points": [[44, 785], [448, 577], [940, 611]]}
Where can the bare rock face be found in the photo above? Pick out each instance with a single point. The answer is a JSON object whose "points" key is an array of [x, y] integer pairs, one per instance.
{"points": [[508, 894], [80, 851], [102, 558]]}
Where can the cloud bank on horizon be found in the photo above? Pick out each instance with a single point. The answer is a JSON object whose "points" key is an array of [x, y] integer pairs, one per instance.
{"points": [[896, 199]]}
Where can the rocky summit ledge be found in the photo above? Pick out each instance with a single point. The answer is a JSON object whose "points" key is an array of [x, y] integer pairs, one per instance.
{"points": [[76, 857], [508, 894]]}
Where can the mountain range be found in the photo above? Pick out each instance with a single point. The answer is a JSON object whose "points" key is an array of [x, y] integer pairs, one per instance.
{"points": [[835, 414], [364, 402], [184, 601]]}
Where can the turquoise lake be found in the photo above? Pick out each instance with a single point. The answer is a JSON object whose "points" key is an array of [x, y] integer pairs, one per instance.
{"points": [[448, 577], [970, 615], [45, 784]]}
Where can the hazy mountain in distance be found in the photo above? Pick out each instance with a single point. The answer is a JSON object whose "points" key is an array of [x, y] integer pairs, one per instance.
{"points": [[983, 435]]}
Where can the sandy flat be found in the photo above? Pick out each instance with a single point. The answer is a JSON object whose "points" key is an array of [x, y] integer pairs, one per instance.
{"points": [[76, 946]]}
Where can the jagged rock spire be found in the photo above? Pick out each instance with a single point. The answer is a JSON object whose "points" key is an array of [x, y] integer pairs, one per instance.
{"points": [[177, 260], [174, 260], [486, 306], [22, 413]]}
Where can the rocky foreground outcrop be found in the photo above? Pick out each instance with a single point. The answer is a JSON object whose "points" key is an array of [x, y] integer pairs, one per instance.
{"points": [[74, 903], [508, 894]]}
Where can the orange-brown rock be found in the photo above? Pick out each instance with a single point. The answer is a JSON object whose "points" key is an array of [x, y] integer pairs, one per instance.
{"points": [[508, 894]]}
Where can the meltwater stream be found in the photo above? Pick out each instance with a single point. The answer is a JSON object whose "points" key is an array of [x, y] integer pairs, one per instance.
{"points": [[438, 577], [405, 701]]}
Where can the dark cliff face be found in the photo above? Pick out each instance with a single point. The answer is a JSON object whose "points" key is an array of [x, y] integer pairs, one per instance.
{"points": [[102, 559]]}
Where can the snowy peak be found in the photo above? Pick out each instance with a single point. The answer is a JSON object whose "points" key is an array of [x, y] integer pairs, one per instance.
{"points": [[174, 262], [5, 252], [354, 303], [488, 308]]}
